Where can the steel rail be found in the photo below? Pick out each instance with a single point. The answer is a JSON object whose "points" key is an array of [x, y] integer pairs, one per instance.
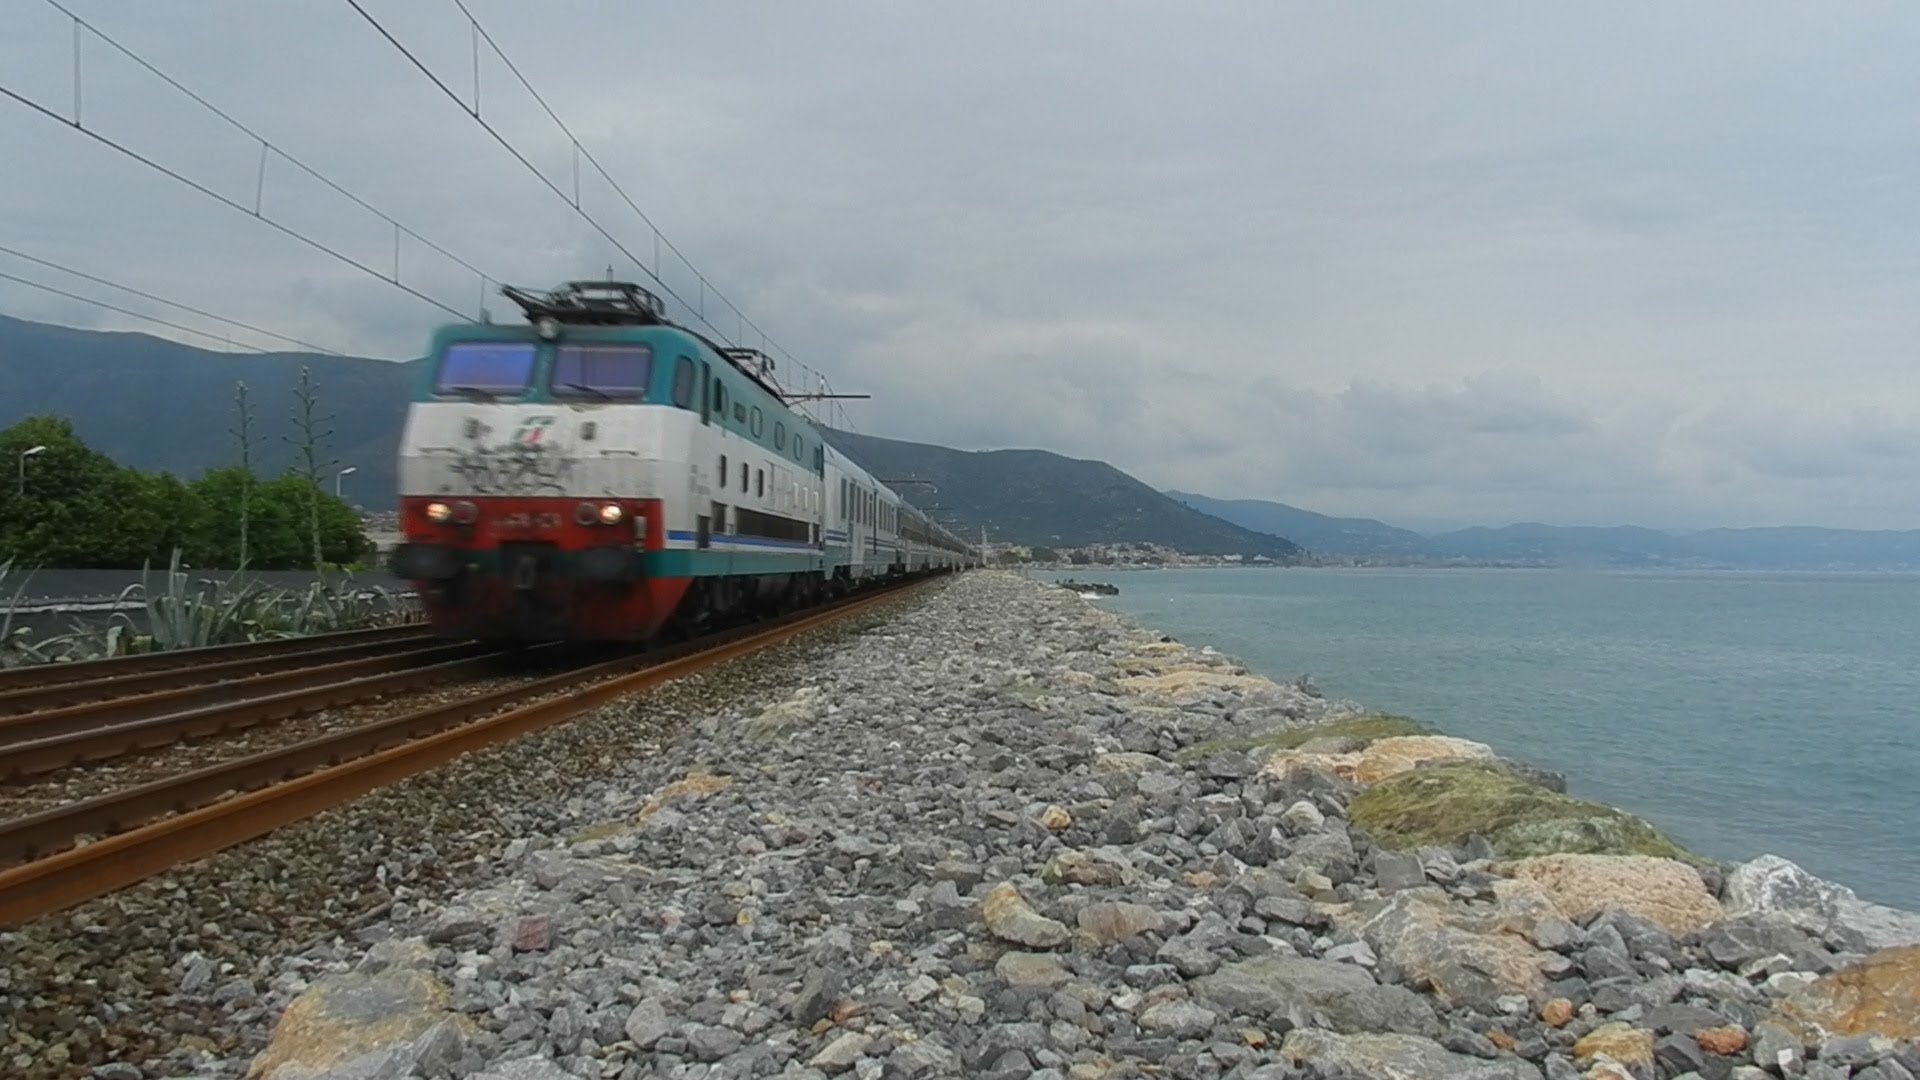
{"points": [[199, 676], [80, 873], [50, 674], [95, 743], [123, 709]]}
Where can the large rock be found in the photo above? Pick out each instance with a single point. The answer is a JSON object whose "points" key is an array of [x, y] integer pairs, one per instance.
{"points": [[1773, 885], [1879, 996], [348, 1016], [1445, 804], [1380, 758], [1344, 994], [1472, 956], [1667, 893], [1111, 922], [1010, 918], [1619, 1042], [1397, 1057]]}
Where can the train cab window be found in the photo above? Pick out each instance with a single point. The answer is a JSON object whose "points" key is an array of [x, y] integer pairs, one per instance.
{"points": [[484, 369], [779, 435], [720, 398], [758, 423], [685, 378], [601, 372]]}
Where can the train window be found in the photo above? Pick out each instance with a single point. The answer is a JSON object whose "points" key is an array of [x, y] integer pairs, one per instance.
{"points": [[743, 476], [601, 372], [758, 423], [779, 435], [484, 369], [723, 470], [760, 482], [740, 412], [796, 448], [720, 398], [683, 382]]}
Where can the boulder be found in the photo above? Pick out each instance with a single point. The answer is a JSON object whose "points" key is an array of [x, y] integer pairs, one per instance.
{"points": [[1472, 957], [1665, 892], [1343, 993], [1031, 969], [1112, 922], [351, 1015], [1618, 1042], [1445, 804], [1380, 758], [1010, 918], [1777, 886], [1880, 996], [1396, 1057]]}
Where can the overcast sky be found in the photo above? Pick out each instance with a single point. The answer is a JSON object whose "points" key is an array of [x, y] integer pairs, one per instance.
{"points": [[1439, 265]]}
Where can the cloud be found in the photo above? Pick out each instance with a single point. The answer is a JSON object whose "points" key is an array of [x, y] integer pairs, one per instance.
{"points": [[1639, 262]]}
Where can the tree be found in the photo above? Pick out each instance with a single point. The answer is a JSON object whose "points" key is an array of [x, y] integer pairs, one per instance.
{"points": [[309, 429], [74, 507], [282, 512], [243, 431]]}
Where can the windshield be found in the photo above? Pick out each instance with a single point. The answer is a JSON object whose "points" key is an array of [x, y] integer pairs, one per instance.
{"points": [[491, 369], [607, 372]]}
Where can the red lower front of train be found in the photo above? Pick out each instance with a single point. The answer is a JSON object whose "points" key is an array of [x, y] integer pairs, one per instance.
{"points": [[537, 569]]}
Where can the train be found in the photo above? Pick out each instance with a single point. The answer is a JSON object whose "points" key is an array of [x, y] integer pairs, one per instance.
{"points": [[603, 473]]}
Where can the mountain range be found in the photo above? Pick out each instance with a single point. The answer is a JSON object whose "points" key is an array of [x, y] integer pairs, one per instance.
{"points": [[1535, 544], [158, 404]]}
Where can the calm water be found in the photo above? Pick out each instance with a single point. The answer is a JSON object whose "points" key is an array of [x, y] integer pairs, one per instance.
{"points": [[1742, 713]]}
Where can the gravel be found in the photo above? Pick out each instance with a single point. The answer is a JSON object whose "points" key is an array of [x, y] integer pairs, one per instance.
{"points": [[191, 967], [1001, 833]]}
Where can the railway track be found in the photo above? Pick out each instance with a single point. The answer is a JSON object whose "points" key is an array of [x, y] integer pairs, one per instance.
{"points": [[55, 860], [186, 666]]}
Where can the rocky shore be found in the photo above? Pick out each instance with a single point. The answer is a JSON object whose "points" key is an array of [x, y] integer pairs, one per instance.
{"points": [[1006, 834]]}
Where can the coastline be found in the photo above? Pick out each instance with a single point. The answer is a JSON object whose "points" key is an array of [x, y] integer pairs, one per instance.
{"points": [[1004, 832]]}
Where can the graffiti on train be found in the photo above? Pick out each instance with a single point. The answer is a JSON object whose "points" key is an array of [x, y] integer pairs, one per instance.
{"points": [[527, 462]]}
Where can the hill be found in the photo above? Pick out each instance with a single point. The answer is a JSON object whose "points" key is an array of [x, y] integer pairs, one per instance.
{"points": [[156, 404], [1315, 532], [159, 405], [1036, 497]]}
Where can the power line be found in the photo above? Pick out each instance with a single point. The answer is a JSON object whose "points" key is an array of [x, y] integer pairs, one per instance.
{"points": [[581, 152], [255, 211], [308, 345], [142, 315]]}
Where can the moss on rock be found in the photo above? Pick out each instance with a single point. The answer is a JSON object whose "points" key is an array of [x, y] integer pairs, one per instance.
{"points": [[1367, 728], [1445, 804]]}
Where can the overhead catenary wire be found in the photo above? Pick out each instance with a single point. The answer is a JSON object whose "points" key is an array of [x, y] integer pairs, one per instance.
{"points": [[257, 210], [4, 276], [472, 109], [249, 327]]}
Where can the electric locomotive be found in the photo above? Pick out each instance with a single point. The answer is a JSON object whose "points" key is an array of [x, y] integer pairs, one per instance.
{"points": [[601, 473]]}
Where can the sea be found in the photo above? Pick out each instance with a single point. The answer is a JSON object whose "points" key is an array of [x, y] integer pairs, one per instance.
{"points": [[1741, 713]]}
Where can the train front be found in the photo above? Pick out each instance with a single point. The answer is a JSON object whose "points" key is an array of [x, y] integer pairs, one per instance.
{"points": [[531, 472]]}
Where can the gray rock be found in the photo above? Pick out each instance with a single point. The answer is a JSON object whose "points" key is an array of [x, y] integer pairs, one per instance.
{"points": [[532, 1067], [840, 1055], [1177, 1019], [1850, 1051], [117, 1070], [1396, 870], [1031, 969], [1010, 918], [1776, 1048], [647, 1024], [1743, 939], [1390, 1057], [819, 990], [1682, 1019], [1189, 955], [921, 1058], [1346, 995], [712, 1042], [1679, 1053]]}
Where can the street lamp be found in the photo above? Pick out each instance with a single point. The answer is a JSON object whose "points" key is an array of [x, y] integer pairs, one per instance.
{"points": [[24, 455], [337, 477]]}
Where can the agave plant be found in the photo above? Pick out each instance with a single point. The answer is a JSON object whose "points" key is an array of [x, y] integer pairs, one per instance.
{"points": [[180, 616]]}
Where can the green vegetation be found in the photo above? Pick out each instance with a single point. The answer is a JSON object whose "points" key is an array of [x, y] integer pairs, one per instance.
{"points": [[1365, 728], [72, 507], [177, 614], [1445, 804]]}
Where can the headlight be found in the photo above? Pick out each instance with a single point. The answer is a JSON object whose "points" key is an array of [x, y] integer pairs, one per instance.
{"points": [[465, 513], [610, 514], [439, 513]]}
